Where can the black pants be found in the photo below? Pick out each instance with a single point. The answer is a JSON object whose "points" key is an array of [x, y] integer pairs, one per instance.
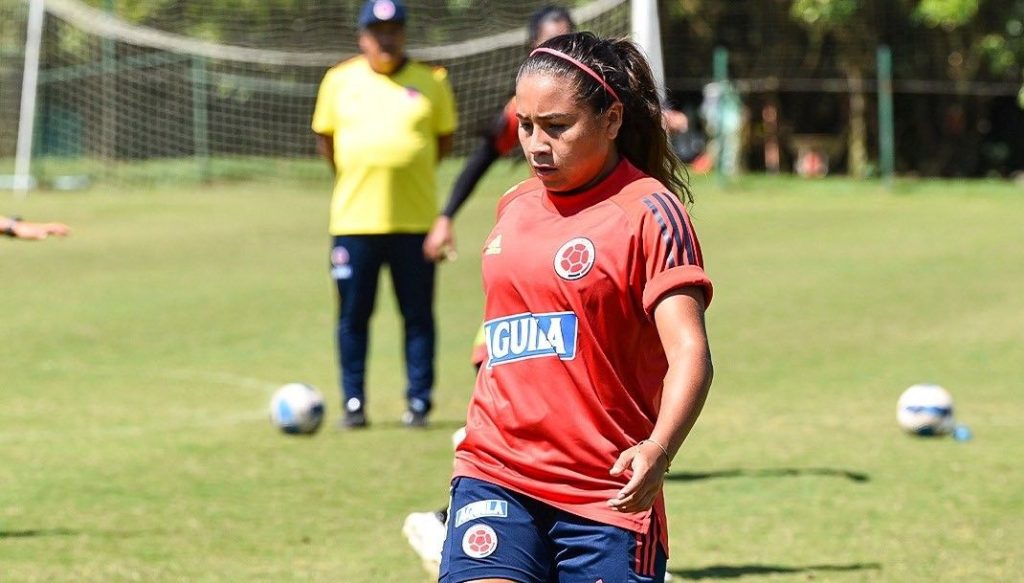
{"points": [[355, 267]]}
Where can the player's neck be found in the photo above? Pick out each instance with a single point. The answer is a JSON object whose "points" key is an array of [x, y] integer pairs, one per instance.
{"points": [[609, 166]]}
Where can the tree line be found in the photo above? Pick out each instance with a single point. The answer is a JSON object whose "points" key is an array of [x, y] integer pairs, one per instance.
{"points": [[956, 70]]}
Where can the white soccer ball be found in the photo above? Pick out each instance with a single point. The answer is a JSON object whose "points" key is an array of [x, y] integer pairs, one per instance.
{"points": [[926, 409], [297, 408]]}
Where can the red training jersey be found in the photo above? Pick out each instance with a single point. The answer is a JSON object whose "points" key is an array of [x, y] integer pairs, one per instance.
{"points": [[505, 136], [575, 365]]}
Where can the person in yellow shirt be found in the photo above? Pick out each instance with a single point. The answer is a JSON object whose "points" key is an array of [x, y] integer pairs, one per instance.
{"points": [[383, 121]]}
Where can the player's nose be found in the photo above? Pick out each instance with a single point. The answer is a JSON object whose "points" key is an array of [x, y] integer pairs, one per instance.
{"points": [[537, 144]]}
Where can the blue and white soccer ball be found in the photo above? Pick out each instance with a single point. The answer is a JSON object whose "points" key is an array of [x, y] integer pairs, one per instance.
{"points": [[926, 409], [297, 408]]}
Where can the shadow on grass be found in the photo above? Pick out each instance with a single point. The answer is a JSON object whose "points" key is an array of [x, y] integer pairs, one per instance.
{"points": [[737, 571], [54, 532], [447, 425], [37, 533], [768, 473]]}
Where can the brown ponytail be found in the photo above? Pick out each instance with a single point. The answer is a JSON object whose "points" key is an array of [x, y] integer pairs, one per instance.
{"points": [[642, 139]]}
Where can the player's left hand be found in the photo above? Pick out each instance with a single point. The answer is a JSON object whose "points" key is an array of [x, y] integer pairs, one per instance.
{"points": [[648, 465]]}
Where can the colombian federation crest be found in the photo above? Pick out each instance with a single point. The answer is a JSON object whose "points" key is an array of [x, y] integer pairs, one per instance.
{"points": [[574, 259], [479, 541]]}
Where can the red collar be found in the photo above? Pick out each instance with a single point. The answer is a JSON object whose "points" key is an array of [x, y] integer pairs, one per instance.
{"points": [[569, 204]]}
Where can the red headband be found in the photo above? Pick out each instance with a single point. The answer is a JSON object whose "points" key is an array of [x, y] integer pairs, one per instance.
{"points": [[582, 67]]}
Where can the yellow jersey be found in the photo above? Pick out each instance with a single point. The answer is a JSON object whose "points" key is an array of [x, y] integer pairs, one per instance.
{"points": [[385, 130]]}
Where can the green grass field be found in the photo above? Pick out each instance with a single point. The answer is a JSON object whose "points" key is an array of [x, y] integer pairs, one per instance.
{"points": [[139, 355]]}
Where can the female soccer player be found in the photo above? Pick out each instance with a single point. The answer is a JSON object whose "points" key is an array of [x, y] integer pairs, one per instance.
{"points": [[598, 361]]}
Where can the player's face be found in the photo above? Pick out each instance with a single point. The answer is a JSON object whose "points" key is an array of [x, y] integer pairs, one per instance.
{"points": [[567, 144], [549, 29], [383, 45]]}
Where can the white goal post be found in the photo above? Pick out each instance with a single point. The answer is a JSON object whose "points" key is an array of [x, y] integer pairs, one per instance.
{"points": [[26, 119], [646, 29], [121, 93]]}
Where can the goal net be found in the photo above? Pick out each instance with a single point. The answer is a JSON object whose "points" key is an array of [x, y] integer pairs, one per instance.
{"points": [[219, 90]]}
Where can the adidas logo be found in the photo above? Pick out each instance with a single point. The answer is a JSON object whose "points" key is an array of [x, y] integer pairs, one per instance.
{"points": [[494, 247]]}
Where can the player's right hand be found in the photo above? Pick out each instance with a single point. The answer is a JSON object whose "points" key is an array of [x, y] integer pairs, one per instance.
{"points": [[440, 241]]}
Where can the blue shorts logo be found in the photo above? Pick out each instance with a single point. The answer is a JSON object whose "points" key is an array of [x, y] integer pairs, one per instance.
{"points": [[529, 335]]}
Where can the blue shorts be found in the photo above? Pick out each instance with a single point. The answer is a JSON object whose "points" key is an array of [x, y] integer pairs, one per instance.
{"points": [[497, 533]]}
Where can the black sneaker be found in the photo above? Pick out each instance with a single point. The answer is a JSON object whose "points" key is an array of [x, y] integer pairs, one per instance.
{"points": [[353, 420], [417, 419]]}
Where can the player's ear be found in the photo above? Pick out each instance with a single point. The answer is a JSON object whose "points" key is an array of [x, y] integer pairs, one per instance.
{"points": [[613, 120]]}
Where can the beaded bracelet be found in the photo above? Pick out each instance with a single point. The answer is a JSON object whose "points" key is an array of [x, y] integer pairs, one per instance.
{"points": [[663, 450]]}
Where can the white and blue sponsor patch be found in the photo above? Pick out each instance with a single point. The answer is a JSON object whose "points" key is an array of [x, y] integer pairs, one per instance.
{"points": [[523, 336], [481, 509]]}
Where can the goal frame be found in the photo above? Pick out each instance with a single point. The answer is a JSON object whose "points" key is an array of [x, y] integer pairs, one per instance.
{"points": [[644, 25]]}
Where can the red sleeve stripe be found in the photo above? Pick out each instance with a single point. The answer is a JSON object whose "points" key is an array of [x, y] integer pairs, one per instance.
{"points": [[645, 558]]}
